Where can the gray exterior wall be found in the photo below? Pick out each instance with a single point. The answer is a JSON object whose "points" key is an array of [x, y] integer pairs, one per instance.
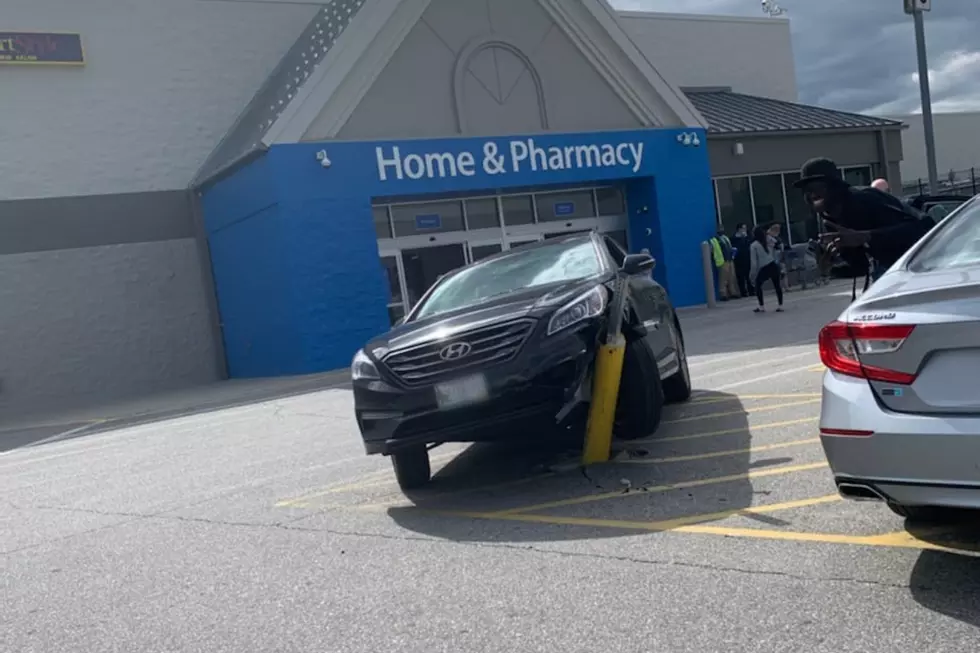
{"points": [[413, 96], [786, 153], [163, 81], [96, 324], [104, 294], [751, 55]]}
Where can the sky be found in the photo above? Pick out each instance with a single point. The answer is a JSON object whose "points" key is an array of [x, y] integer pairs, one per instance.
{"points": [[859, 55]]}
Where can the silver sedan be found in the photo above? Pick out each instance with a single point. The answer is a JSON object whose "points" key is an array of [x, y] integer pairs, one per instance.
{"points": [[900, 415]]}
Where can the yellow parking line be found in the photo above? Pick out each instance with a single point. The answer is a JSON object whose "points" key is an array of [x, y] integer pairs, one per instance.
{"points": [[817, 368], [741, 429], [894, 540], [714, 400], [720, 454], [590, 498], [660, 525], [401, 501], [374, 479], [744, 411]]}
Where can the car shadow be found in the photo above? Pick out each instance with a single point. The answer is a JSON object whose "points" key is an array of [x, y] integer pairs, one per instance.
{"points": [[673, 478], [948, 581]]}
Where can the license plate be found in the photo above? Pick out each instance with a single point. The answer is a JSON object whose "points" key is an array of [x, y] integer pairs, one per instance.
{"points": [[462, 392]]}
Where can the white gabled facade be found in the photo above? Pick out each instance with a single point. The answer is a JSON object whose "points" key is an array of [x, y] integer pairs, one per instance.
{"points": [[403, 68]]}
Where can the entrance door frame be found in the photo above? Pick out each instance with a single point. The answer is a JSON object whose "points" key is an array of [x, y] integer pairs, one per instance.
{"points": [[506, 236]]}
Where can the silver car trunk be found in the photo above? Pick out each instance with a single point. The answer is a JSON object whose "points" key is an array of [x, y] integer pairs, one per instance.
{"points": [[943, 350]]}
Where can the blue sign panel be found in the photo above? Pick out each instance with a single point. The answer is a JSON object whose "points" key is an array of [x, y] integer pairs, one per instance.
{"points": [[398, 168], [428, 221], [564, 208]]}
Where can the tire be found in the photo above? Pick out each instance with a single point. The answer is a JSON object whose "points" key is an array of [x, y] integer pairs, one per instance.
{"points": [[922, 514], [639, 406], [412, 470], [677, 387]]}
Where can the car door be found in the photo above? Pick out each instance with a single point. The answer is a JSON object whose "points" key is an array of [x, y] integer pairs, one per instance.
{"points": [[649, 302]]}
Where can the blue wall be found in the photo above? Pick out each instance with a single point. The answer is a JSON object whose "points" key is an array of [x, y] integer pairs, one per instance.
{"points": [[299, 282]]}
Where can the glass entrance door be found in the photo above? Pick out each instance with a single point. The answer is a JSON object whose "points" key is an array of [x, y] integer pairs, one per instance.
{"points": [[481, 250], [396, 302], [424, 266]]}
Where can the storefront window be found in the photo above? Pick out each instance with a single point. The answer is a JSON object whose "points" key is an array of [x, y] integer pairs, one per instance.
{"points": [[858, 176], [428, 218], [382, 226], [517, 210], [734, 202], [482, 214], [767, 193], [802, 221], [610, 201], [554, 207]]}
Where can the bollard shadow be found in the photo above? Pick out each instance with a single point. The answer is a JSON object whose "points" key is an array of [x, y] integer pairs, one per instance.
{"points": [[673, 478]]}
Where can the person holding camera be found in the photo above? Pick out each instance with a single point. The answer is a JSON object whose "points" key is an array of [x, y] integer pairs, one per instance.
{"points": [[860, 221]]}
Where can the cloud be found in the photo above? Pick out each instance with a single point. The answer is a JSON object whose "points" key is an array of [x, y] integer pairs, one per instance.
{"points": [[860, 55]]}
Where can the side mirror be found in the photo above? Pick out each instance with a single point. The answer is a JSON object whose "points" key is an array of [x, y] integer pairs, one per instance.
{"points": [[637, 264]]}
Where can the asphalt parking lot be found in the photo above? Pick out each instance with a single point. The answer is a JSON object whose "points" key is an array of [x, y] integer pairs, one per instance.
{"points": [[264, 528]]}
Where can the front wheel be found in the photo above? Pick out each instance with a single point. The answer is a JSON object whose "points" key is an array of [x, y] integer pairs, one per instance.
{"points": [[412, 469], [641, 397]]}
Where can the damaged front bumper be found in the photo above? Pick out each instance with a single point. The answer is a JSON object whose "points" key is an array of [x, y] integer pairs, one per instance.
{"points": [[527, 397]]}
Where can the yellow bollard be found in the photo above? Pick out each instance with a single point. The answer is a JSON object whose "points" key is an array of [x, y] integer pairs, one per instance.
{"points": [[605, 392]]}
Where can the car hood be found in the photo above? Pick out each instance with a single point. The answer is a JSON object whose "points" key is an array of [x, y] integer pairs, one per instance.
{"points": [[536, 303]]}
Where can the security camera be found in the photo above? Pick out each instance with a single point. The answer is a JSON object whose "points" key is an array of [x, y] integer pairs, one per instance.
{"points": [[322, 157]]}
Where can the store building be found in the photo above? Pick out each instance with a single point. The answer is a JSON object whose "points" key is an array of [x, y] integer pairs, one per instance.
{"points": [[155, 240]]}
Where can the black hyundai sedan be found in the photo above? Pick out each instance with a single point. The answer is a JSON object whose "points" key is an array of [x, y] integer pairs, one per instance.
{"points": [[503, 348]]}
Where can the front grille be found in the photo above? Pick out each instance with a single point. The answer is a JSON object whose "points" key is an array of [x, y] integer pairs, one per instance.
{"points": [[491, 345]]}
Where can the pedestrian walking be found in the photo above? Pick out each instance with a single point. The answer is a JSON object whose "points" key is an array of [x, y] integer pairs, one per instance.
{"points": [[763, 267]]}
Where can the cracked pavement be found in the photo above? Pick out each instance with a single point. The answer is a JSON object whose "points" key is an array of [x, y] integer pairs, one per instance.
{"points": [[264, 528]]}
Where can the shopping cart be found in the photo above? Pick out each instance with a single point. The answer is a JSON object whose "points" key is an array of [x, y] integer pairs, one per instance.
{"points": [[801, 265]]}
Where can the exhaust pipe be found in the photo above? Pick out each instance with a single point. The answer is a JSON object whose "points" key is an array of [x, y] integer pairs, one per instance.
{"points": [[860, 492]]}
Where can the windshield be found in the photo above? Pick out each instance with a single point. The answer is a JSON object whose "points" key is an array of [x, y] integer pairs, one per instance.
{"points": [[520, 270], [956, 244]]}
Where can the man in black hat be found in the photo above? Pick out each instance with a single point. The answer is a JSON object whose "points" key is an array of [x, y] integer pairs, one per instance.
{"points": [[861, 219]]}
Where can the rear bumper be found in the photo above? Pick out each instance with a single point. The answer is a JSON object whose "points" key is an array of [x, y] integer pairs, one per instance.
{"points": [[906, 459]]}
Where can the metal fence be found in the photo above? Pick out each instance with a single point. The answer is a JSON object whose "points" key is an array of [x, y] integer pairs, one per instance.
{"points": [[954, 182]]}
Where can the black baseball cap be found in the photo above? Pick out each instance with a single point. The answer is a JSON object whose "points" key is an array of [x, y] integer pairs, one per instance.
{"points": [[819, 169]]}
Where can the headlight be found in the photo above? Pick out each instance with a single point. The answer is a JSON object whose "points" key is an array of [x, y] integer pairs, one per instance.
{"points": [[363, 367], [583, 307]]}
